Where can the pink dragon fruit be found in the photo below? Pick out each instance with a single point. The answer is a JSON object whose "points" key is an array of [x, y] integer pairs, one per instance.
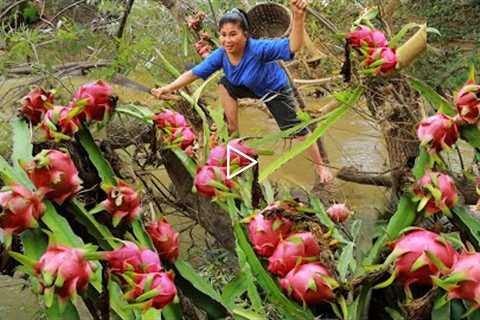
{"points": [[54, 174], [211, 181], [298, 248], [218, 155], [96, 98], [437, 192], [122, 202], [165, 239], [265, 234], [130, 257], [467, 102], [58, 124], [169, 119], [184, 137], [62, 271], [153, 290], [339, 212], [380, 61], [438, 132], [20, 208], [463, 281], [419, 255], [35, 104], [310, 283], [364, 36]]}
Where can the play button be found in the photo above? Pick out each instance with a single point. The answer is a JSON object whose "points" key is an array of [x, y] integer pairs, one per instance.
{"points": [[252, 161]]}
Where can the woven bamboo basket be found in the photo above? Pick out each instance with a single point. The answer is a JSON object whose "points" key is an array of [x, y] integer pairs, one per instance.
{"points": [[269, 20]]}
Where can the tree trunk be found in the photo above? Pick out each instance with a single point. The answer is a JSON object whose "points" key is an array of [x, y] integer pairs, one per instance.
{"points": [[395, 106]]}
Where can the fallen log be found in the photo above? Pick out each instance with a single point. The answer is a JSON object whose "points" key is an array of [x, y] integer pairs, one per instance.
{"points": [[63, 69]]}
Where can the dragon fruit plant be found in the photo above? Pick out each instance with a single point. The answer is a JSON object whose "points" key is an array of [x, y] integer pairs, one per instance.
{"points": [[20, 208], [176, 132], [436, 192], [59, 123], [129, 257], [418, 256], [310, 284], [339, 212], [35, 104], [123, 202], [298, 248], [218, 155], [96, 101], [266, 233], [152, 290], [63, 272], [165, 239], [467, 102], [54, 174], [212, 181], [363, 36], [437, 132]]}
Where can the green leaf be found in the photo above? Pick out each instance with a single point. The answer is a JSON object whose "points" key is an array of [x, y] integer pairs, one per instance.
{"points": [[62, 232], [395, 314], [172, 312], [246, 314], [234, 289], [217, 115], [290, 309], [167, 65], [402, 218], [55, 312], [301, 146], [22, 147], [99, 231], [345, 260], [103, 167], [438, 102], [141, 234], [34, 243], [118, 303], [421, 164], [469, 224], [152, 314], [197, 289], [471, 134], [324, 219], [186, 161], [395, 40]]}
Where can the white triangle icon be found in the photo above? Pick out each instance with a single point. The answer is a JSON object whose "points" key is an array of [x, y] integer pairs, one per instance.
{"points": [[230, 149]]}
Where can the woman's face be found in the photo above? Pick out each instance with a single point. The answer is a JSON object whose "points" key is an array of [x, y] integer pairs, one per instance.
{"points": [[232, 38]]}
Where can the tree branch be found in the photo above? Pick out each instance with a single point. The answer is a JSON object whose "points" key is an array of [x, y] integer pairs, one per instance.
{"points": [[352, 174]]}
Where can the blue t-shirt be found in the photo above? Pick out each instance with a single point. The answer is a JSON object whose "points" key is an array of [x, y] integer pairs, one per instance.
{"points": [[257, 70]]}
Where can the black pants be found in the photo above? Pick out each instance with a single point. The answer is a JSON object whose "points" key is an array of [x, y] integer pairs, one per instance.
{"points": [[282, 104]]}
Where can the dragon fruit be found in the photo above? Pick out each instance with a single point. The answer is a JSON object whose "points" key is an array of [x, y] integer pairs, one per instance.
{"points": [[184, 137], [380, 60], [339, 212], [165, 239], [463, 281], [211, 181], [153, 290], [122, 202], [467, 102], [298, 248], [169, 119], [266, 233], [58, 124], [36, 104], [437, 192], [438, 132], [419, 255], [309, 283], [20, 208], [218, 155], [96, 98], [130, 257], [62, 271], [54, 174], [364, 36], [203, 48]]}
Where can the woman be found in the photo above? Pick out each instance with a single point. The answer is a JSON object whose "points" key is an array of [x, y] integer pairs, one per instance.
{"points": [[251, 72]]}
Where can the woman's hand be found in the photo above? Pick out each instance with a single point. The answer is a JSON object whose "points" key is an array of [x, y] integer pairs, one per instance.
{"points": [[163, 93], [298, 7]]}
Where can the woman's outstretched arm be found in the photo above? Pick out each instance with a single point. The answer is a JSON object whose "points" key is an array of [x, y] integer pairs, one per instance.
{"points": [[298, 24], [182, 81]]}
